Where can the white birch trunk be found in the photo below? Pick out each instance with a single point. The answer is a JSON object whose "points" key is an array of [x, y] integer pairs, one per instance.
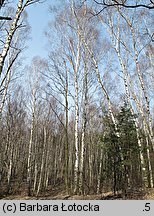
{"points": [[117, 49], [30, 143], [10, 35], [66, 132], [5, 92], [99, 172], [150, 180], [131, 109], [76, 166], [142, 83], [76, 66], [46, 167], [35, 176], [10, 169], [85, 91], [42, 162]]}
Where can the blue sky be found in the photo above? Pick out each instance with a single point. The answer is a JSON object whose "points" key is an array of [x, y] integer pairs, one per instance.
{"points": [[38, 18]]}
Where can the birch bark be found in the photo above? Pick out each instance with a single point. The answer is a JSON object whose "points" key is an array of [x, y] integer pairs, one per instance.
{"points": [[84, 119]]}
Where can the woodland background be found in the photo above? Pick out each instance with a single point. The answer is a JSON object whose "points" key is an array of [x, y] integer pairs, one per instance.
{"points": [[80, 121]]}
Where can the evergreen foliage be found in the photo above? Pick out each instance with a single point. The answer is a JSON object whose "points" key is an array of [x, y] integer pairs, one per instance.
{"points": [[122, 151]]}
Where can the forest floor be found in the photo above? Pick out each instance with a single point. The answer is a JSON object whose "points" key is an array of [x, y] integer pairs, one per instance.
{"points": [[60, 194]]}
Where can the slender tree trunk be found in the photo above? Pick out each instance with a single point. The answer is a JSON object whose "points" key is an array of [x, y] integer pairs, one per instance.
{"points": [[42, 162], [76, 166], [145, 129], [46, 175], [66, 132], [5, 93], [10, 169], [99, 172], [35, 176], [132, 111], [150, 172], [55, 165], [30, 144], [142, 83], [76, 65], [11, 33], [85, 91], [124, 70]]}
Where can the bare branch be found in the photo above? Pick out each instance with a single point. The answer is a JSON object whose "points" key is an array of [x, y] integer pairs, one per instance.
{"points": [[5, 18], [123, 4]]}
